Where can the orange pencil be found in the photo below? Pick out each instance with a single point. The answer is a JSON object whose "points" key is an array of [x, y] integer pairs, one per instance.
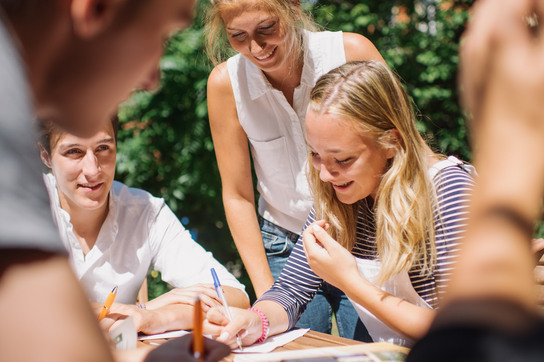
{"points": [[198, 340], [107, 304]]}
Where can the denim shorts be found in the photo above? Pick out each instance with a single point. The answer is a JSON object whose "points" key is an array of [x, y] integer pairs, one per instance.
{"points": [[278, 244]]}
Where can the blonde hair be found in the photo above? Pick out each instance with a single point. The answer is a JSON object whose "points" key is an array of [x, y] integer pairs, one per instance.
{"points": [[371, 96], [291, 19]]}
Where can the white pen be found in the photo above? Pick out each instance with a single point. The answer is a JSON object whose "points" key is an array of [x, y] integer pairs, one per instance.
{"points": [[219, 291]]}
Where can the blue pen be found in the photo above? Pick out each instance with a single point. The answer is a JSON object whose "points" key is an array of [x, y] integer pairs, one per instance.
{"points": [[219, 291]]}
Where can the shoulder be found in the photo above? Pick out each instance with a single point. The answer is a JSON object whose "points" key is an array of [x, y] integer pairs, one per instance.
{"points": [[219, 77], [455, 175], [454, 186], [134, 198], [358, 47]]}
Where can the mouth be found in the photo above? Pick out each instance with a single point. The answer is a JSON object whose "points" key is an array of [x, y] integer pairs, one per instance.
{"points": [[342, 186], [267, 56], [90, 187]]}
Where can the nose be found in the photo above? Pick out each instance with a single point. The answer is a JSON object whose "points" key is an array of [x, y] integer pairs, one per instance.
{"points": [[152, 81], [325, 174], [255, 47], [91, 165]]}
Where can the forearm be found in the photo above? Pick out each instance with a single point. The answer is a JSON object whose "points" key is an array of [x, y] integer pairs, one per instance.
{"points": [[496, 258], [236, 297], [402, 316], [43, 306], [521, 186], [167, 318], [246, 233], [276, 315]]}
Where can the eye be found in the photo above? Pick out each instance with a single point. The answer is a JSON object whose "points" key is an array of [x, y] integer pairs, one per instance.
{"points": [[241, 36], [72, 152], [102, 148], [267, 29], [344, 161]]}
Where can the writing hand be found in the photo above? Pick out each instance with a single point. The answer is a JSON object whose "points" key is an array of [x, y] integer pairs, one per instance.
{"points": [[245, 323]]}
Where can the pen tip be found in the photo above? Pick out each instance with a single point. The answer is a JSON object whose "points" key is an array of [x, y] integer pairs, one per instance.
{"points": [[114, 290]]}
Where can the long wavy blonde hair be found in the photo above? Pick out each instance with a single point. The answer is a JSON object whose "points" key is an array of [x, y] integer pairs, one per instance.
{"points": [[369, 94], [292, 20]]}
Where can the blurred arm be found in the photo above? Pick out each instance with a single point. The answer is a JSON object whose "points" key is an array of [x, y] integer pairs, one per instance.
{"points": [[45, 314]]}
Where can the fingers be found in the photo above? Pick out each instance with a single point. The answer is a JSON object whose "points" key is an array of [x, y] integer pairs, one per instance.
{"points": [[322, 236], [499, 37], [246, 324], [217, 316], [208, 303]]}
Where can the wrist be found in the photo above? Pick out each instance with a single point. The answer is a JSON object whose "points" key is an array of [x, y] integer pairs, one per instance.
{"points": [[264, 324], [513, 217]]}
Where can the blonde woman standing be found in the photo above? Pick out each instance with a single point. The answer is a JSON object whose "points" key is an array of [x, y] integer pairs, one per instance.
{"points": [[259, 97], [387, 210]]}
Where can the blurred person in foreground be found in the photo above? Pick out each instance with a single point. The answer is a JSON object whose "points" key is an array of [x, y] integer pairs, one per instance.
{"points": [[491, 313], [70, 62]]}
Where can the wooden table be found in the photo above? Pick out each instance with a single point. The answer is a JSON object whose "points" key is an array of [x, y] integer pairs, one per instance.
{"points": [[311, 339]]}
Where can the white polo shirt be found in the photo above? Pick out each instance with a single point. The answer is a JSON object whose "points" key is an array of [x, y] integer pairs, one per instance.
{"points": [[139, 232]]}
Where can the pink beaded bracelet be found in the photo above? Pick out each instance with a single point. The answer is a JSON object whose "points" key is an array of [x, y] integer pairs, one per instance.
{"points": [[266, 330]]}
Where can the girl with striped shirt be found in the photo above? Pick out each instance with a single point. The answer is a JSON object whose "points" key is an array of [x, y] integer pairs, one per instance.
{"points": [[388, 212]]}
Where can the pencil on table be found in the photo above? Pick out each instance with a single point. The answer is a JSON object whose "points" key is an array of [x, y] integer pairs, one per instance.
{"points": [[198, 340]]}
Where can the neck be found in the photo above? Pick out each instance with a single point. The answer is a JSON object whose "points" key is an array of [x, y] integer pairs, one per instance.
{"points": [[86, 223], [287, 78]]}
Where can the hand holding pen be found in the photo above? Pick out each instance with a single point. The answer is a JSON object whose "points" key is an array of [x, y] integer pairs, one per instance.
{"points": [[221, 295], [107, 304]]}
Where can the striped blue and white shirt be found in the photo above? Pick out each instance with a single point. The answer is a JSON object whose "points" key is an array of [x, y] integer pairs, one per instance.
{"points": [[297, 283]]}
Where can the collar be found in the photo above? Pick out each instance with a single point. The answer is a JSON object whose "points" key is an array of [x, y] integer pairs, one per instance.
{"points": [[109, 229]]}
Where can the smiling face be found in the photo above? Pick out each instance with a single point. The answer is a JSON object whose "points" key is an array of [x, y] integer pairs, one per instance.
{"points": [[257, 35], [351, 161], [84, 169]]}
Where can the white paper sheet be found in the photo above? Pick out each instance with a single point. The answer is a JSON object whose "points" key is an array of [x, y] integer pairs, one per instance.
{"points": [[171, 334], [364, 352], [124, 335], [273, 342], [267, 346]]}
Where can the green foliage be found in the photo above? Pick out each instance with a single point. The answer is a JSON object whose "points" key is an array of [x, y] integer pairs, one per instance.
{"points": [[165, 145], [419, 40]]}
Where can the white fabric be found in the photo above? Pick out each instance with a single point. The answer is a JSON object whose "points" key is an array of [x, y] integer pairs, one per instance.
{"points": [[276, 130], [450, 161], [140, 231], [398, 285]]}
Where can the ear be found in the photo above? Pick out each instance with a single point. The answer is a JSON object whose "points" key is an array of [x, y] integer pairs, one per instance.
{"points": [[45, 156], [90, 17], [394, 141]]}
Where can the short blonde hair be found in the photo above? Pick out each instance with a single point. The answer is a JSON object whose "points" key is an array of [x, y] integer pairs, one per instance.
{"points": [[291, 18], [370, 95]]}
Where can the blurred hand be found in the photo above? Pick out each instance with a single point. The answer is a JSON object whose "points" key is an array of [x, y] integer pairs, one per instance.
{"points": [[181, 349], [324, 256], [119, 312], [502, 63]]}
